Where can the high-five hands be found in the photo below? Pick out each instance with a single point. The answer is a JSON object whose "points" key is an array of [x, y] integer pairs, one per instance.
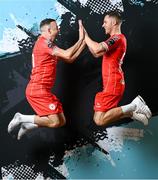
{"points": [[81, 30]]}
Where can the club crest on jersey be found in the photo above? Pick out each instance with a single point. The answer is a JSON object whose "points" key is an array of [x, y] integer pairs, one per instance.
{"points": [[52, 106]]}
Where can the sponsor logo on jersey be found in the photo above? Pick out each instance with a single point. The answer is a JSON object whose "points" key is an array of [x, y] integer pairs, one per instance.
{"points": [[112, 40], [50, 44]]}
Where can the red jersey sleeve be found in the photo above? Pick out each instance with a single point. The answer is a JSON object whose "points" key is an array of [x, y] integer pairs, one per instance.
{"points": [[49, 47], [113, 42]]}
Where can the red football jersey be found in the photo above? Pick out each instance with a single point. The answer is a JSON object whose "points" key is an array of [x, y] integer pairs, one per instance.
{"points": [[43, 68], [112, 73]]}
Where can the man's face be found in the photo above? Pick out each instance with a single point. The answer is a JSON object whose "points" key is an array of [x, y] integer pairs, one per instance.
{"points": [[53, 29], [107, 24]]}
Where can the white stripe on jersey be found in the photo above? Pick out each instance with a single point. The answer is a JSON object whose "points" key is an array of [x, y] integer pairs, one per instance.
{"points": [[33, 61]]}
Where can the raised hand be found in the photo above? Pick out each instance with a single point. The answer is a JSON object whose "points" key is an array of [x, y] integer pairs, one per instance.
{"points": [[85, 32], [81, 30]]}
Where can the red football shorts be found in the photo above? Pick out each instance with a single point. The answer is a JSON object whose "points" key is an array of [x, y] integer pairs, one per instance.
{"points": [[105, 101], [45, 105]]}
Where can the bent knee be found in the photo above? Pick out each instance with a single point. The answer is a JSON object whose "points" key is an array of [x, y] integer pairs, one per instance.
{"points": [[100, 119], [55, 123], [98, 122], [62, 122]]}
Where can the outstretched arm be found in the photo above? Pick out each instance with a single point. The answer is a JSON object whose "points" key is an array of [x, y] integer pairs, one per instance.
{"points": [[78, 52], [97, 49], [70, 54]]}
